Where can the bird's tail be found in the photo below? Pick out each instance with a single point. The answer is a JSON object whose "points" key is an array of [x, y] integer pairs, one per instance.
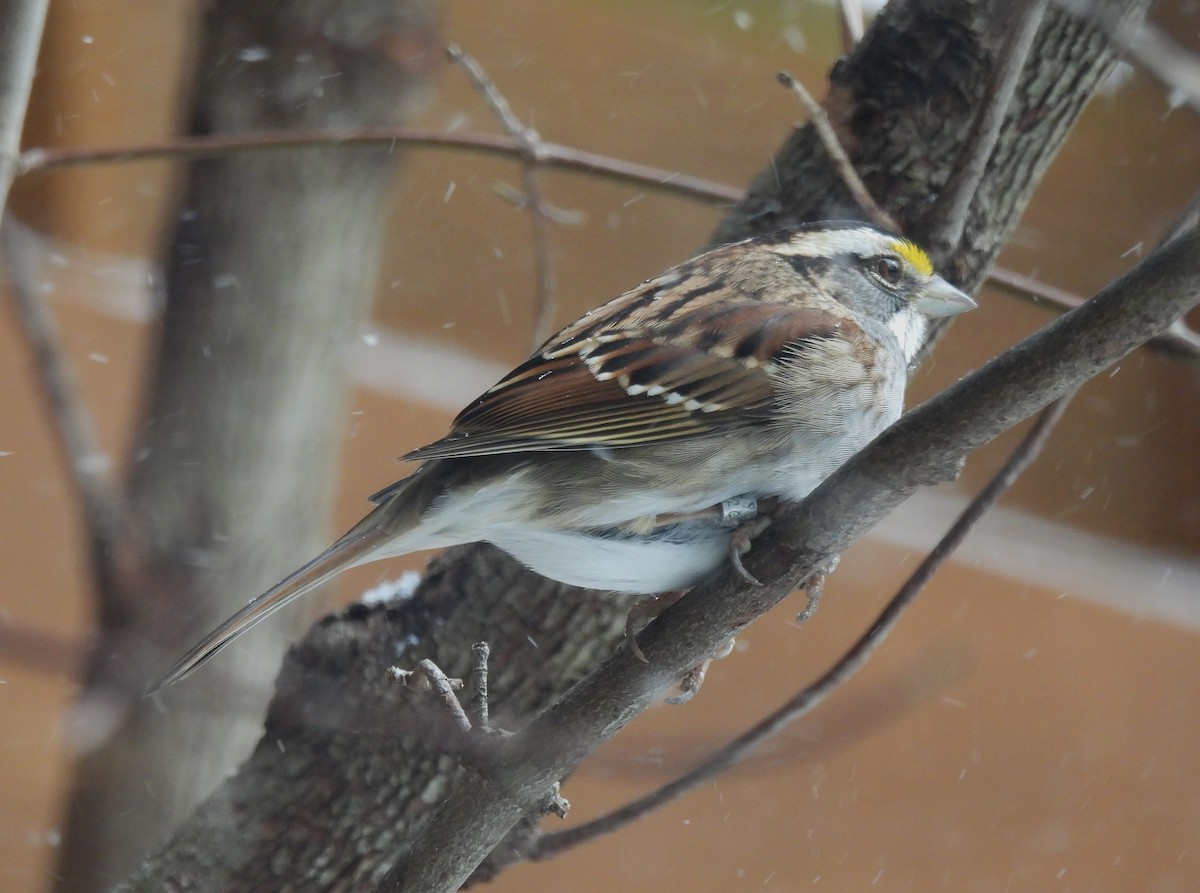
{"points": [[353, 548]]}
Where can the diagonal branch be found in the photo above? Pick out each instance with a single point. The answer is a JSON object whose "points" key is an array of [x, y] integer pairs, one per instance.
{"points": [[953, 204], [811, 696], [925, 446], [530, 145], [105, 509], [21, 25], [838, 155]]}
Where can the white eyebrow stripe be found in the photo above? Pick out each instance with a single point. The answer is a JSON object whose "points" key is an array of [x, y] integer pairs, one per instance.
{"points": [[835, 241], [829, 243]]}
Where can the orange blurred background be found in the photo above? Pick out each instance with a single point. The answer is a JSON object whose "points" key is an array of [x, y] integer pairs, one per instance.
{"points": [[1031, 724]]}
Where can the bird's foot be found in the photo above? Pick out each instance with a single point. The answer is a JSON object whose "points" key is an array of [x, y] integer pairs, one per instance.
{"points": [[814, 587], [689, 684], [739, 544]]}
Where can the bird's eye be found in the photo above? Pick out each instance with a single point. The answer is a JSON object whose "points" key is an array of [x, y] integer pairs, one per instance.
{"points": [[888, 268]]}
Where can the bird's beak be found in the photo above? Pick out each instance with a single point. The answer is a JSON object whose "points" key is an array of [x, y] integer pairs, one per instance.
{"points": [[939, 298]]}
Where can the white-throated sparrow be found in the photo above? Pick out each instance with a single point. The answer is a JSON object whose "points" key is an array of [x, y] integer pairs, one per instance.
{"points": [[750, 371]]}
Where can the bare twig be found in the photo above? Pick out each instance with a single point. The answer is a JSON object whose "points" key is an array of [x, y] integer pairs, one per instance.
{"points": [[1033, 288], [104, 507], [552, 155], [949, 213], [1179, 339], [540, 213], [428, 676], [837, 154], [1153, 49], [803, 702], [105, 510], [20, 39], [852, 23], [477, 707]]}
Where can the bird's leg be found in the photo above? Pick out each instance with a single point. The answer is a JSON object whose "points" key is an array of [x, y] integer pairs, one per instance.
{"points": [[711, 513], [730, 513], [649, 608], [739, 544], [741, 513]]}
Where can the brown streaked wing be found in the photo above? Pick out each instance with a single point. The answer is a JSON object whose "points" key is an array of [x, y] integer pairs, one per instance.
{"points": [[706, 371]]}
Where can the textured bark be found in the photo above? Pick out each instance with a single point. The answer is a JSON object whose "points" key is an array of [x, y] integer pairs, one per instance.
{"points": [[905, 102], [270, 267], [903, 105], [350, 763]]}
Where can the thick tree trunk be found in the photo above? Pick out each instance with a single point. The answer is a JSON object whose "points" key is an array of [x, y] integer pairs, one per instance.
{"points": [[270, 268], [905, 102]]}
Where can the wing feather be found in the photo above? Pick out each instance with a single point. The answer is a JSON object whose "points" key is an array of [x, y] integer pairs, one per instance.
{"points": [[708, 370]]}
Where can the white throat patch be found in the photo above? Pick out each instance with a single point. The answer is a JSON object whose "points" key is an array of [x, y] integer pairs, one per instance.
{"points": [[909, 328]]}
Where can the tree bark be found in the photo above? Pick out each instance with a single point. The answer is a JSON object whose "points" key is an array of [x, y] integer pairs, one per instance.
{"points": [[270, 268], [904, 103]]}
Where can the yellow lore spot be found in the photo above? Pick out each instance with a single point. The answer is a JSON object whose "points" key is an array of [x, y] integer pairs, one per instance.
{"points": [[914, 255]]}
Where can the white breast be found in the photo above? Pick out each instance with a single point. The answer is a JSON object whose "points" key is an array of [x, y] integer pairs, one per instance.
{"points": [[635, 565]]}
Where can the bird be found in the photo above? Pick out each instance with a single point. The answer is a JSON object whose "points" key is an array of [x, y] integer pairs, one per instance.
{"points": [[625, 451]]}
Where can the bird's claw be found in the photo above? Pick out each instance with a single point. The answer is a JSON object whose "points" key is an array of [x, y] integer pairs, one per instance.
{"points": [[739, 544], [642, 613], [814, 587]]}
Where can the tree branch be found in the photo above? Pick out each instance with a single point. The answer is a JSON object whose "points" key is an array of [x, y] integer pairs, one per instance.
{"points": [[21, 25], [811, 696], [954, 202], [552, 155], [903, 114], [539, 211], [925, 446]]}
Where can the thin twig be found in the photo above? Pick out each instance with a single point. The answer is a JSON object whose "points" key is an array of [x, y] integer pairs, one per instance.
{"points": [[539, 213], [837, 154], [545, 306], [1033, 288], [428, 676], [949, 213], [852, 23], [1157, 53], [526, 137], [105, 510], [477, 706], [104, 506], [20, 38], [551, 155], [1179, 339], [802, 703]]}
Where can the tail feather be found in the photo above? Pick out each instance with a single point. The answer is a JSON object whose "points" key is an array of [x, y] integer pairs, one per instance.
{"points": [[348, 551]]}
